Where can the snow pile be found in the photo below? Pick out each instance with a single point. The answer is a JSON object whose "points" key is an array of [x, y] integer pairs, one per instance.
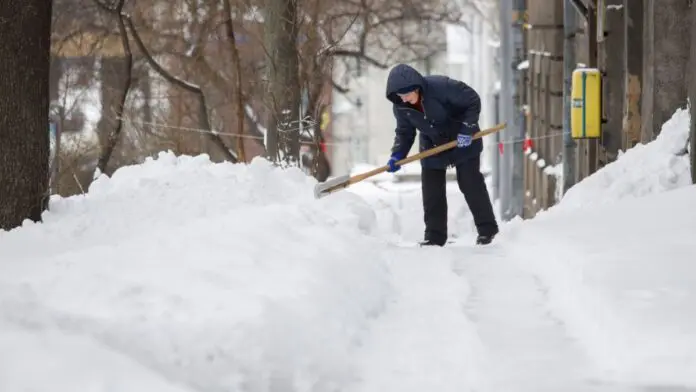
{"points": [[210, 276], [655, 167], [621, 279], [399, 210]]}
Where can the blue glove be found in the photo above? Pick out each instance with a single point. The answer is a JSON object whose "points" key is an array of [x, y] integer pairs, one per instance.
{"points": [[393, 167], [463, 140], [465, 134]]}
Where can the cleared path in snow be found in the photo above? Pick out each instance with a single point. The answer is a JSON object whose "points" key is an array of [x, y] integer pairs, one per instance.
{"points": [[421, 342], [504, 338], [527, 345]]}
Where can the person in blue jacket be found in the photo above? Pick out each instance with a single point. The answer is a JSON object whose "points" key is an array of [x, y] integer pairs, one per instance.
{"points": [[443, 110]]}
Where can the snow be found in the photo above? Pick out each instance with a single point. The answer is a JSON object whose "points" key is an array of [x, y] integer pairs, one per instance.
{"points": [[180, 274], [59, 358], [587, 301], [360, 168], [621, 277], [645, 169], [210, 275]]}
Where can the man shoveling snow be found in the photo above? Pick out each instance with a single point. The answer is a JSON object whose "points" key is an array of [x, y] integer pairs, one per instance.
{"points": [[443, 110]]}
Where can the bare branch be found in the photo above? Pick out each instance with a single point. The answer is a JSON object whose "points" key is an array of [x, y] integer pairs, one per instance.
{"points": [[115, 134], [341, 89], [203, 112], [358, 54]]}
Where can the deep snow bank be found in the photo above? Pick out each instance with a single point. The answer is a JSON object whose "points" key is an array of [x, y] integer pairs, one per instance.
{"points": [[616, 255], [215, 276], [645, 169], [622, 279], [40, 360]]}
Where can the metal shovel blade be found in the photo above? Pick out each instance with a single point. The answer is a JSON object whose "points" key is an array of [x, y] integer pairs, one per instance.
{"points": [[325, 188]]}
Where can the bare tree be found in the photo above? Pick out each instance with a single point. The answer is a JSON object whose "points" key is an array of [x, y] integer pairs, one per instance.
{"points": [[256, 76], [25, 29], [281, 31], [109, 144], [238, 87]]}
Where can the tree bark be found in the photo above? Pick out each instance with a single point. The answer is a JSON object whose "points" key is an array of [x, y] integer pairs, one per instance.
{"points": [[692, 94], [238, 94], [281, 27], [25, 28]]}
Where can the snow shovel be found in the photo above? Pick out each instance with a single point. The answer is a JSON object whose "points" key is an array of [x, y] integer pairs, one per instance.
{"points": [[329, 186]]}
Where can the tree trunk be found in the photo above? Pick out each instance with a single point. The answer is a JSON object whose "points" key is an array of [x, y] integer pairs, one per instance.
{"points": [[692, 94], [238, 93], [124, 76], [25, 28], [283, 78]]}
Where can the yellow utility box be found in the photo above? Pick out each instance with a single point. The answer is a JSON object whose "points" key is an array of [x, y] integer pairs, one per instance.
{"points": [[586, 104]]}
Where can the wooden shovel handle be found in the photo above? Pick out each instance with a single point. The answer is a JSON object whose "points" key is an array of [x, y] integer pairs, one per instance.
{"points": [[435, 150]]}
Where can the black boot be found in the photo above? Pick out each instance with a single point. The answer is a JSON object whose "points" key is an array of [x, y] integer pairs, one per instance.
{"points": [[484, 239], [430, 243]]}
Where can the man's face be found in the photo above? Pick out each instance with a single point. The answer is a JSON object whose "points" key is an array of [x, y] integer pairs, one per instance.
{"points": [[411, 97]]}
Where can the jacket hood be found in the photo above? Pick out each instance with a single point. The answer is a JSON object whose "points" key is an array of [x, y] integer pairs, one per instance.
{"points": [[400, 77]]}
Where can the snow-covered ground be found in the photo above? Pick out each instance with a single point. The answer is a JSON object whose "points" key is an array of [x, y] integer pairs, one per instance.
{"points": [[184, 275]]}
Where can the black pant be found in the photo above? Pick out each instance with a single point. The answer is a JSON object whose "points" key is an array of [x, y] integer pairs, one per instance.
{"points": [[472, 185]]}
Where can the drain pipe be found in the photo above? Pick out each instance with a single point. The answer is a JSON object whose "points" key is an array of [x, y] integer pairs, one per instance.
{"points": [[570, 7]]}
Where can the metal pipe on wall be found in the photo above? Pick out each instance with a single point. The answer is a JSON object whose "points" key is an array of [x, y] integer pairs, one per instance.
{"points": [[518, 130], [569, 31], [506, 107]]}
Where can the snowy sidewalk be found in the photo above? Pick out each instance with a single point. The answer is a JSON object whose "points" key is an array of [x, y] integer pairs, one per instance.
{"points": [[472, 319], [423, 341], [527, 346]]}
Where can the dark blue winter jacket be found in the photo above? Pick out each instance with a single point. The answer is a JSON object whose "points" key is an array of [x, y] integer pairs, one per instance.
{"points": [[448, 105]]}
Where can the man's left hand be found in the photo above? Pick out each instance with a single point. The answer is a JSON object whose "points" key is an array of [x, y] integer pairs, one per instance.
{"points": [[463, 140]]}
